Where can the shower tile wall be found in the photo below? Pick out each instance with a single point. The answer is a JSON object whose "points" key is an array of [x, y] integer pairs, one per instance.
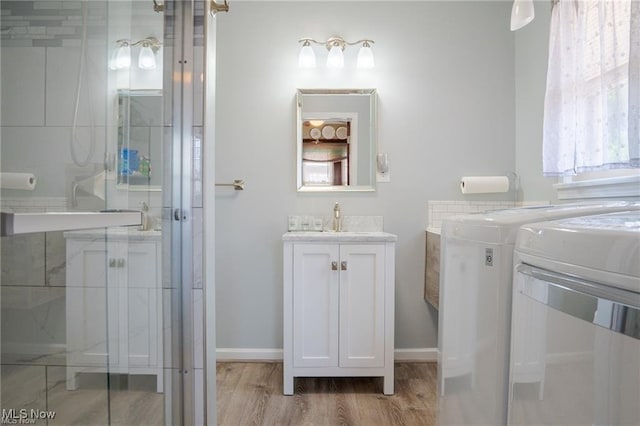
{"points": [[40, 44], [47, 23], [32, 284]]}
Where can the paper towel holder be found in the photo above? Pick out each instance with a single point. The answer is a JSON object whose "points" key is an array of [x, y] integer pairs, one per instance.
{"points": [[489, 184]]}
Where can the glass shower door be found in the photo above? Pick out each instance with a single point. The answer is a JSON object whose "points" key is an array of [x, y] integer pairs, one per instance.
{"points": [[92, 316]]}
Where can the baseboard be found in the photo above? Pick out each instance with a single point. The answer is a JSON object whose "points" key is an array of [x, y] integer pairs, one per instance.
{"points": [[417, 354], [245, 354], [257, 354]]}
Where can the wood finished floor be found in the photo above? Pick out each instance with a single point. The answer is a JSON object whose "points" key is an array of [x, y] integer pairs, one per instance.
{"points": [[251, 394]]}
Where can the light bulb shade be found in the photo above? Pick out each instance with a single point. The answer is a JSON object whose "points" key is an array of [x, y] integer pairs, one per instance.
{"points": [[307, 59], [146, 59], [365, 57], [123, 57], [113, 59], [522, 13], [335, 59]]}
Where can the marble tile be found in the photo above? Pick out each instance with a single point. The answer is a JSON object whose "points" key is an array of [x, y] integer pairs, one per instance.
{"points": [[22, 151], [325, 223], [196, 253], [166, 167], [55, 259], [337, 237], [23, 260], [24, 387], [156, 136], [166, 221], [198, 87], [33, 323], [196, 196], [23, 86], [198, 329], [170, 340], [62, 80]]}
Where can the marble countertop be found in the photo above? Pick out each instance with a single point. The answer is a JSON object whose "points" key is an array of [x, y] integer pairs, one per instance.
{"points": [[355, 237], [129, 233]]}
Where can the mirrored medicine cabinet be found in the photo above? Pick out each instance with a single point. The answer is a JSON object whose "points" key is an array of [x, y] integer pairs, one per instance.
{"points": [[336, 140], [140, 132]]}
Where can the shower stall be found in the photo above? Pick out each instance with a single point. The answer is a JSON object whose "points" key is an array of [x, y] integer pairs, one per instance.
{"points": [[102, 137]]}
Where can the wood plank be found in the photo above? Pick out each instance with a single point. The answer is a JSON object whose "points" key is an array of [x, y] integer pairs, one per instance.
{"points": [[251, 393]]}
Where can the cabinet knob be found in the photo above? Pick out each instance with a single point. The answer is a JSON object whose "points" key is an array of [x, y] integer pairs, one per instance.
{"points": [[112, 263], [334, 266], [120, 263], [343, 265]]}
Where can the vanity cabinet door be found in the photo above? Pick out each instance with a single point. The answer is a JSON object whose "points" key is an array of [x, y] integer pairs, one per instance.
{"points": [[338, 305], [139, 305], [114, 314], [362, 305], [315, 305], [91, 290]]}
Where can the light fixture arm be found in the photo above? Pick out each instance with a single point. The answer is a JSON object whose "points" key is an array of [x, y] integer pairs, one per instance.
{"points": [[335, 45], [335, 41], [150, 41]]}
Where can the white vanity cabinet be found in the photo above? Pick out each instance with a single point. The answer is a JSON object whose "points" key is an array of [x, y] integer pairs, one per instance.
{"points": [[114, 303], [338, 306]]}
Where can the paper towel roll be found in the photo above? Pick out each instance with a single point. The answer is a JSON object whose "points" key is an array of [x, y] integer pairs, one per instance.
{"points": [[25, 181], [484, 184]]}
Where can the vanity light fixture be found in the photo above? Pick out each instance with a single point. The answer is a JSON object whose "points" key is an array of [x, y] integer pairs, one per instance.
{"points": [[307, 59], [522, 13], [335, 58], [121, 57]]}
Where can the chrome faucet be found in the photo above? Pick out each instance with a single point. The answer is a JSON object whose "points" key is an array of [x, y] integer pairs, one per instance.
{"points": [[337, 220], [146, 219]]}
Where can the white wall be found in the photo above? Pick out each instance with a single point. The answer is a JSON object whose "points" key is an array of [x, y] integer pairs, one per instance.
{"points": [[445, 79]]}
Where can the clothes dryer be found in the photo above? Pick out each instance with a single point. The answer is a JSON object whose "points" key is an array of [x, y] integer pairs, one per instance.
{"points": [[476, 274], [575, 337]]}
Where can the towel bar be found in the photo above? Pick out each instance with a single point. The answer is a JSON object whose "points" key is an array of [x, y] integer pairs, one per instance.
{"points": [[237, 184]]}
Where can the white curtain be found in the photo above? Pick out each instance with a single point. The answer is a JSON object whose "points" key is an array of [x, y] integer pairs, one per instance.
{"points": [[592, 102]]}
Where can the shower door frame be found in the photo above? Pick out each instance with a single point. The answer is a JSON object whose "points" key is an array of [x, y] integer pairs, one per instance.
{"points": [[180, 203], [180, 208]]}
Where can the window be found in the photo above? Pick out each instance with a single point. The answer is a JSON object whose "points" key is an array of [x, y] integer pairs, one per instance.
{"points": [[592, 102]]}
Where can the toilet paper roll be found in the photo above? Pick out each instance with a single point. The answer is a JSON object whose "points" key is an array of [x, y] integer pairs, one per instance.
{"points": [[484, 184], [25, 181]]}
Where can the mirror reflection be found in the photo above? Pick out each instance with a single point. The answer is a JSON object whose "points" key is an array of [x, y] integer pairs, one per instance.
{"points": [[336, 140], [140, 138]]}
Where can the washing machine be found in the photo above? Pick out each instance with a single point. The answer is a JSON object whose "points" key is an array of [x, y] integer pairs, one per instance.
{"points": [[575, 339], [474, 317]]}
